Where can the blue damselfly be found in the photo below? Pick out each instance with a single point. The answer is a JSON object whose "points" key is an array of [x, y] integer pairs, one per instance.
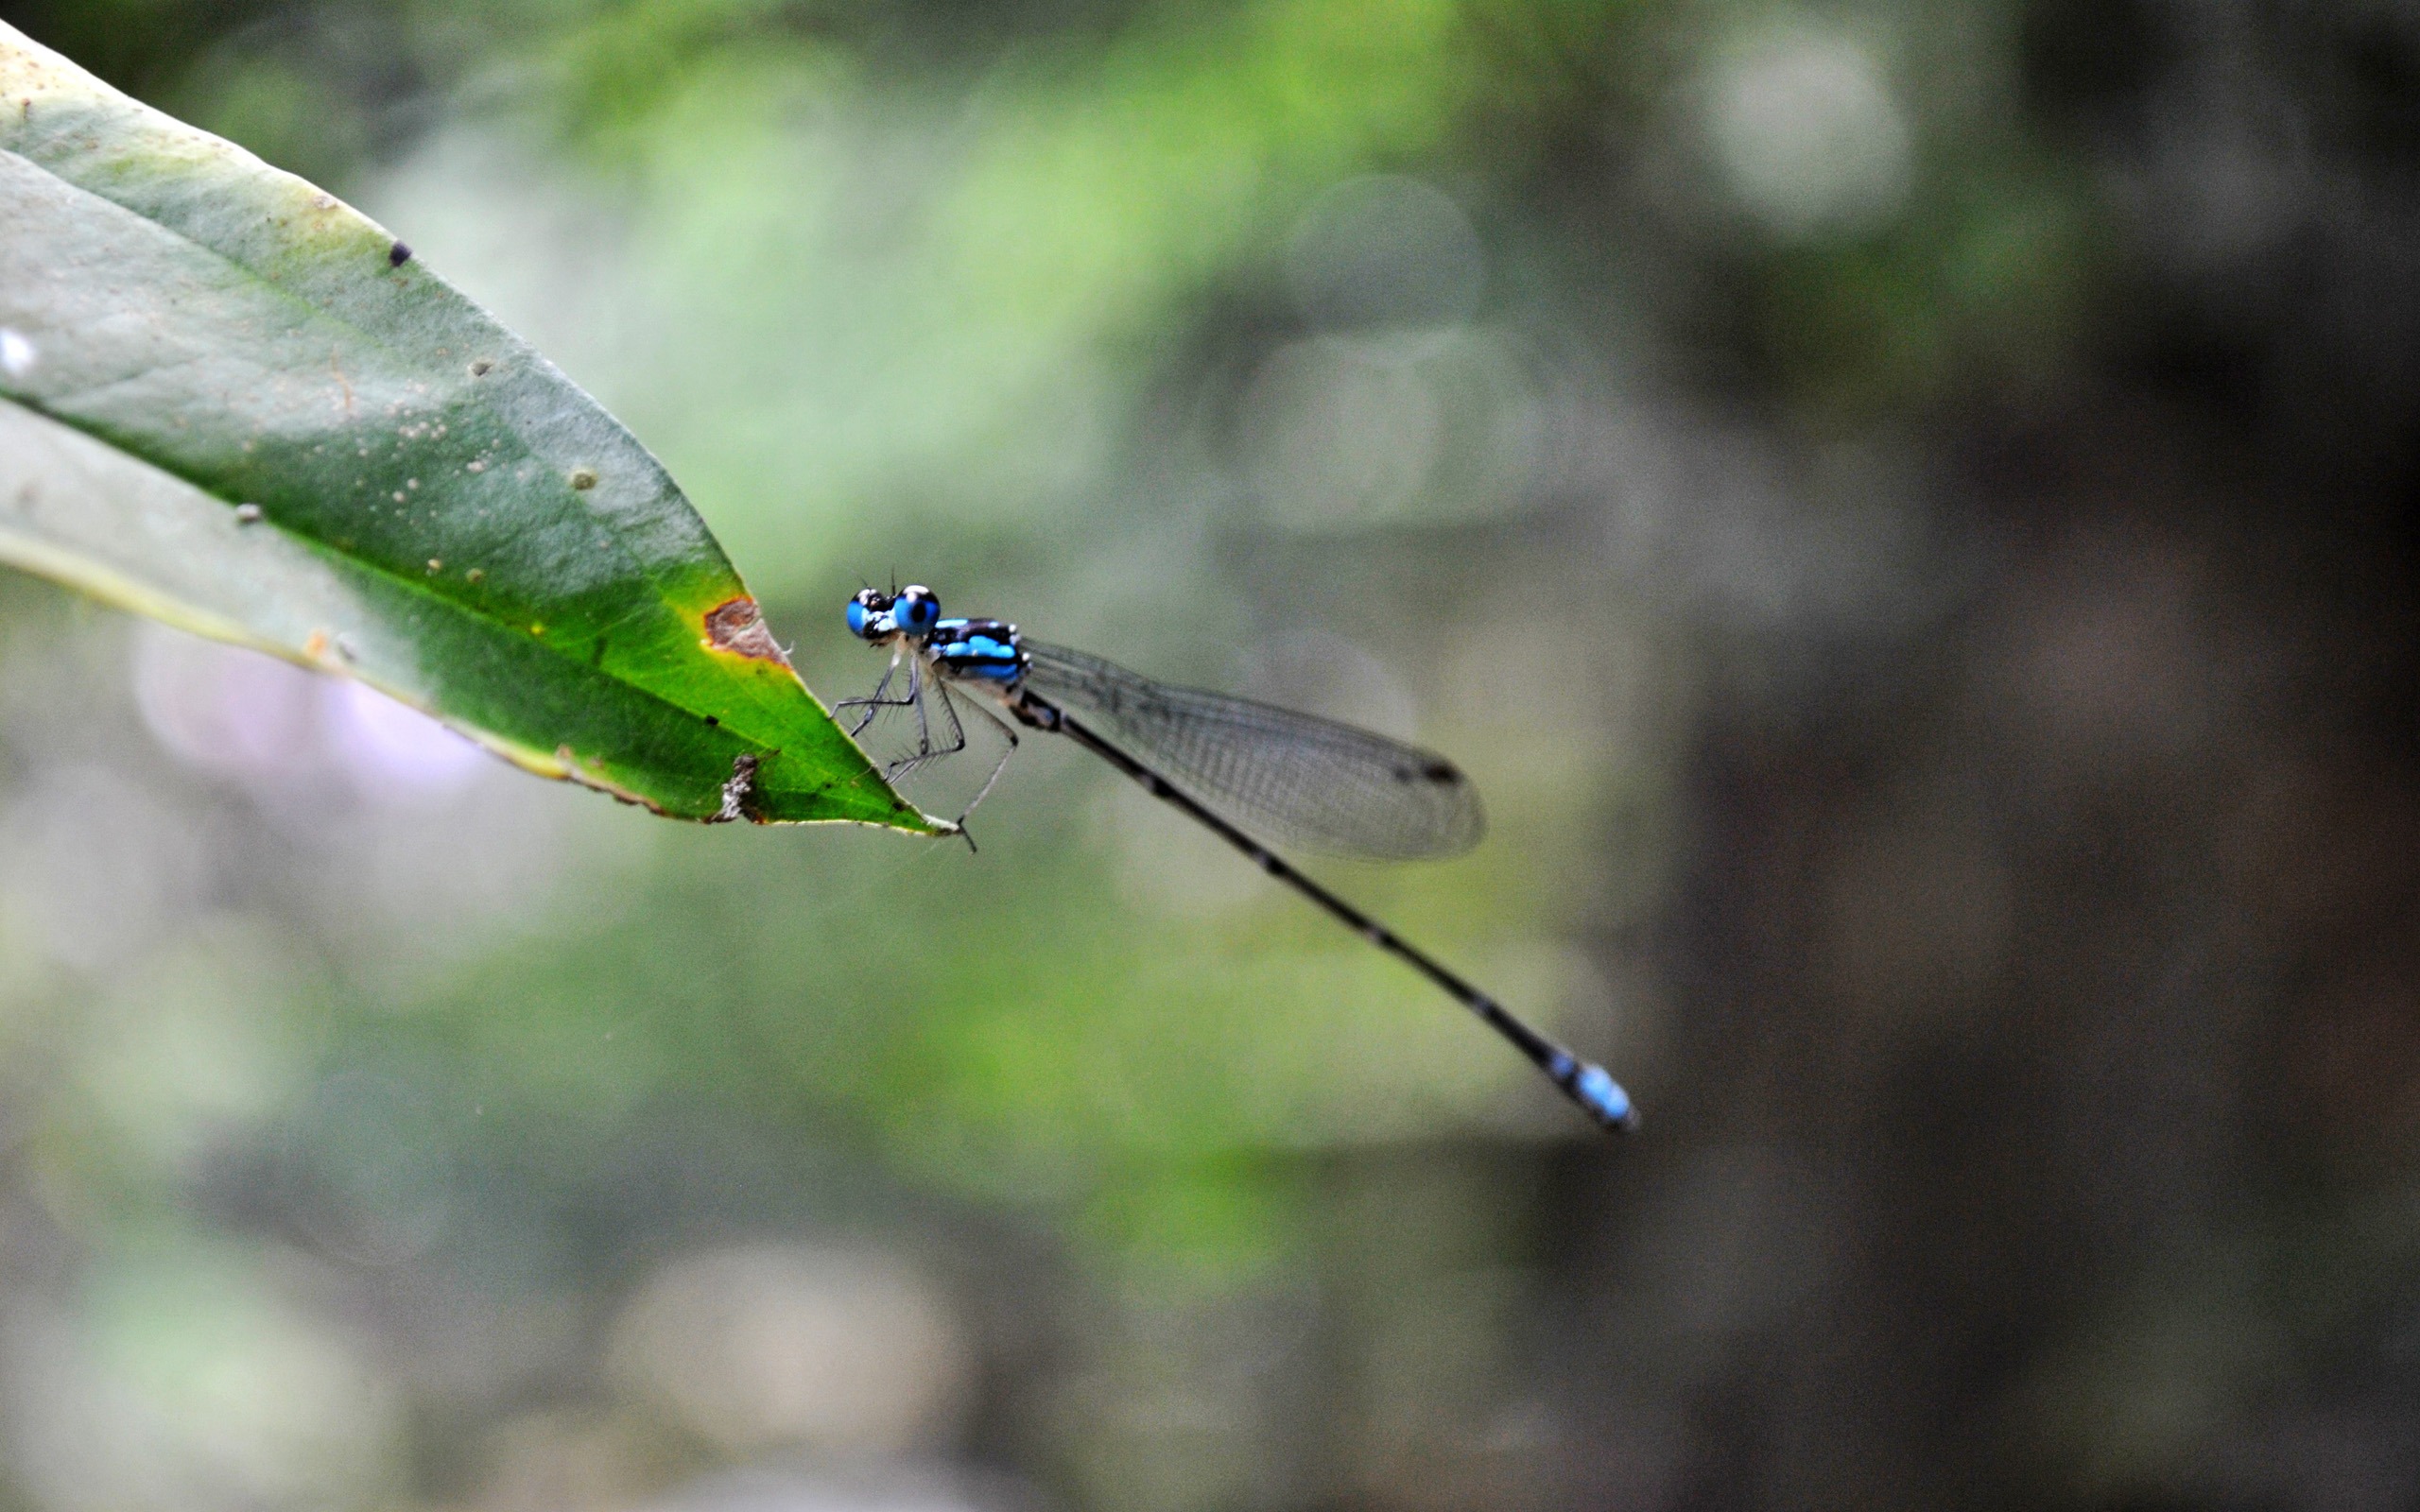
{"points": [[1235, 766]]}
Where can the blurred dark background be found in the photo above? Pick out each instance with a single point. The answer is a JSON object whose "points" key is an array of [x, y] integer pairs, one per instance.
{"points": [[1907, 510]]}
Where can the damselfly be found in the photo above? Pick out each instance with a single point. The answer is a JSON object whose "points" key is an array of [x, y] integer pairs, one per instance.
{"points": [[1295, 779]]}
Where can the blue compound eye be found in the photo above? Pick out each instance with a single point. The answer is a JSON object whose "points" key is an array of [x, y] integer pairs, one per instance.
{"points": [[865, 608], [916, 610]]}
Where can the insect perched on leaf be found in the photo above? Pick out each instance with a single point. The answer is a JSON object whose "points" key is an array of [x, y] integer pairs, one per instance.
{"points": [[1235, 766]]}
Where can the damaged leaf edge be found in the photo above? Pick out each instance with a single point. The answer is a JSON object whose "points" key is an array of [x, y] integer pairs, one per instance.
{"points": [[561, 765]]}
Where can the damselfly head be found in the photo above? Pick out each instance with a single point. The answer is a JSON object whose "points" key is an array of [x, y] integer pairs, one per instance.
{"points": [[869, 614], [916, 609]]}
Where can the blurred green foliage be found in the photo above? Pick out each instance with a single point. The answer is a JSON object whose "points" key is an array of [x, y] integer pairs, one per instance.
{"points": [[1784, 473]]}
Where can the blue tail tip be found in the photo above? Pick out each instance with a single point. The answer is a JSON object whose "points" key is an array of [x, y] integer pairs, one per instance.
{"points": [[1596, 1090]]}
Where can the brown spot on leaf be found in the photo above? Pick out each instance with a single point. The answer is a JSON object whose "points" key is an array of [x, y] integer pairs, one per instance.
{"points": [[736, 624], [583, 478]]}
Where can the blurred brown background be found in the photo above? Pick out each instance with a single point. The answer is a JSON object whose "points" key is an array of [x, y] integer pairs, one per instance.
{"points": [[1907, 512]]}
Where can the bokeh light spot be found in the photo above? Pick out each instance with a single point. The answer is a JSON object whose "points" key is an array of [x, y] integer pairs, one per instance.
{"points": [[1809, 136]]}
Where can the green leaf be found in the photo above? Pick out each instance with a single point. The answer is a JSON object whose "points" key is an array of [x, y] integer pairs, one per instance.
{"points": [[233, 402]]}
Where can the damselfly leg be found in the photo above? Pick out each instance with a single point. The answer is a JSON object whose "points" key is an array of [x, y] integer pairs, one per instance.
{"points": [[875, 702], [997, 767], [953, 706], [915, 701], [923, 697]]}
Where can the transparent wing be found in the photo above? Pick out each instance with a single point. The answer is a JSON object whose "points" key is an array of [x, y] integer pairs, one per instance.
{"points": [[1288, 777]]}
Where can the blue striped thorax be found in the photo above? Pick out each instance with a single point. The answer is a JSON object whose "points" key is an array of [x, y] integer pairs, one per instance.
{"points": [[976, 648], [982, 649]]}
